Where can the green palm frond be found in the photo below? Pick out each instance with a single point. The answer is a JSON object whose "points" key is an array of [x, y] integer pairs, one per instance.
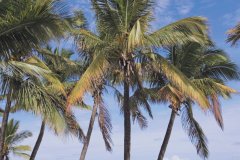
{"points": [[177, 78], [193, 29], [13, 137], [25, 24]]}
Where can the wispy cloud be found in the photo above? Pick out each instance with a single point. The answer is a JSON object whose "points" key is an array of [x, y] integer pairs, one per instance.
{"points": [[162, 5], [184, 6], [231, 19], [168, 11]]}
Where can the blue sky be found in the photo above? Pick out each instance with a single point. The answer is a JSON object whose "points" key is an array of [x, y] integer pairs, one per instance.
{"points": [[221, 15]]}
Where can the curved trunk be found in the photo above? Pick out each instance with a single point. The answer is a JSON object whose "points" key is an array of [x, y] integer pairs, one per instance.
{"points": [[127, 118], [4, 125], [167, 135], [90, 128], [38, 142]]}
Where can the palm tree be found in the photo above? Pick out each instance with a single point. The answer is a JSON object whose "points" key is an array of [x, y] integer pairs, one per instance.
{"points": [[87, 54], [13, 137], [208, 68], [123, 30], [24, 25], [63, 68]]}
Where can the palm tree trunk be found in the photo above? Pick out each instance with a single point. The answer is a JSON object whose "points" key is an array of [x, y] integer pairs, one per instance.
{"points": [[127, 118], [4, 125], [38, 142], [90, 128], [167, 135]]}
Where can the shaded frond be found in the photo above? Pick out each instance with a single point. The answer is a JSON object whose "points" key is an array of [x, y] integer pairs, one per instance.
{"points": [[194, 131], [234, 35], [104, 122]]}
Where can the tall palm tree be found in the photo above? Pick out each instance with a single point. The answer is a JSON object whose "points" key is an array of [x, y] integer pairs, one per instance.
{"points": [[208, 68], [87, 53], [13, 137], [123, 30]]}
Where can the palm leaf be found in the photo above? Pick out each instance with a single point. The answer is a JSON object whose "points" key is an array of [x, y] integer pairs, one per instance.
{"points": [[194, 131], [180, 32], [179, 80], [94, 71]]}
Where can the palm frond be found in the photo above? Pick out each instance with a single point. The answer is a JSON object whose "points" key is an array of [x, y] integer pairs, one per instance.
{"points": [[53, 81], [194, 131], [193, 29], [234, 35], [19, 137], [95, 70], [29, 23], [104, 122], [178, 79], [23, 155], [21, 148]]}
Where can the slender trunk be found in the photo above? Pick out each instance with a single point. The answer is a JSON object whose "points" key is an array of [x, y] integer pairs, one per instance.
{"points": [[38, 142], [4, 125], [167, 135], [90, 128], [127, 118]]}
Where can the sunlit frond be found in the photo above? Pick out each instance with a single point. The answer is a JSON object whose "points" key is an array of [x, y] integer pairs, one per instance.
{"points": [[53, 81], [178, 79], [94, 71], [193, 29]]}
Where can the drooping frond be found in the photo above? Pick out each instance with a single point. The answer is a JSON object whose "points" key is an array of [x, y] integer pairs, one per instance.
{"points": [[216, 109], [104, 122], [212, 90], [140, 99], [194, 131], [73, 127]]}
